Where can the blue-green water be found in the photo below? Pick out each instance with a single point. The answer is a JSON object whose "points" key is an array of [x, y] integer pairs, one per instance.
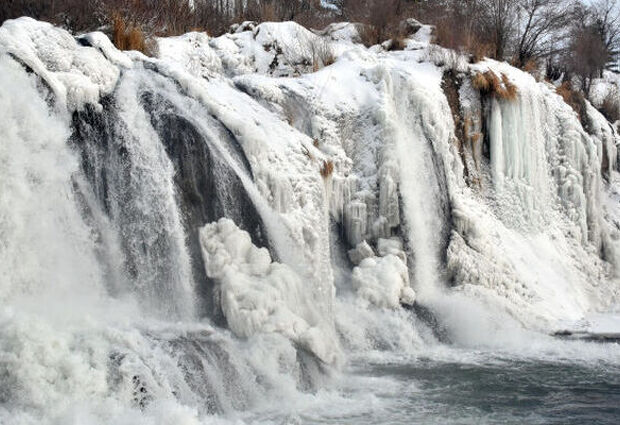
{"points": [[572, 383], [520, 391]]}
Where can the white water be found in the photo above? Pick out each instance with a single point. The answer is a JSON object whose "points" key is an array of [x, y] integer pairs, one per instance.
{"points": [[102, 319]]}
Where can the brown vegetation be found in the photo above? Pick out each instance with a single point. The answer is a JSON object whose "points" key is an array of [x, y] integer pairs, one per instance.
{"points": [[327, 169], [610, 107], [380, 18], [451, 34], [573, 98], [397, 43], [129, 36], [368, 34], [322, 54], [531, 67], [488, 83]]}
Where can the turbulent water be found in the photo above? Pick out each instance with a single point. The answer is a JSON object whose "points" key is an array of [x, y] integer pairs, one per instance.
{"points": [[220, 235]]}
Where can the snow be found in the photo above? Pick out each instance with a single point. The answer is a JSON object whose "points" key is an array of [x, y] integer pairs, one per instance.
{"points": [[599, 327], [606, 89], [193, 52], [101, 41], [77, 75]]}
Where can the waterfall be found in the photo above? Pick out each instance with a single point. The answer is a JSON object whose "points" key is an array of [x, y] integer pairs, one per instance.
{"points": [[209, 232], [421, 131]]}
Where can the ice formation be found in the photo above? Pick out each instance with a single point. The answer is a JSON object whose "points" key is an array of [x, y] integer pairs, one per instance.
{"points": [[261, 296], [193, 233]]}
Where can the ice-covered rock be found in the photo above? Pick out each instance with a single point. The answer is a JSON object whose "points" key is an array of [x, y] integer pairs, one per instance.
{"points": [[392, 246], [360, 253], [383, 282], [77, 75], [259, 295]]}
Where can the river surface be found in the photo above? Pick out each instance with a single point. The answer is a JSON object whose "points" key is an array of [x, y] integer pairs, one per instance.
{"points": [[461, 386]]}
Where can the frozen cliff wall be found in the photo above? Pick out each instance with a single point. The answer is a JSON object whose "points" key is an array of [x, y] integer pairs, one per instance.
{"points": [[221, 223]]}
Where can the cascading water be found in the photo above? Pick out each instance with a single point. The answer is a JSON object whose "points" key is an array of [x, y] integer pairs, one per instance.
{"points": [[419, 130], [194, 238], [113, 197]]}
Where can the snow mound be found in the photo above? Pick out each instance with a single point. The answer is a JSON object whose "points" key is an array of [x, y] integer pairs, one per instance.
{"points": [[77, 75]]}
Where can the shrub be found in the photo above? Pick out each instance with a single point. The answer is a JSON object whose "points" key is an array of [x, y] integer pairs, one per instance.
{"points": [[488, 83], [130, 37], [119, 31], [610, 107], [322, 54], [455, 29], [327, 169], [397, 43], [573, 98], [531, 66], [368, 34]]}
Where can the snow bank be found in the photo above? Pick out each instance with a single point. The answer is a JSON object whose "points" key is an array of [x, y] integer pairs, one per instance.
{"points": [[193, 52]]}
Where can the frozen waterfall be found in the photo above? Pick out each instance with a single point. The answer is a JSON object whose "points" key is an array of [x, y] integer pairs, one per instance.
{"points": [[186, 237]]}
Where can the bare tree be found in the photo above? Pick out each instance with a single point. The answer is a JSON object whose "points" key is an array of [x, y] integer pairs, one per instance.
{"points": [[588, 57], [606, 17], [499, 20], [381, 16], [542, 23]]}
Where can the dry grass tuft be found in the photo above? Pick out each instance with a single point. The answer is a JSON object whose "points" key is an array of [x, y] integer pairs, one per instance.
{"points": [[573, 98], [369, 36], [327, 169], [481, 82], [130, 37], [531, 66], [398, 43], [322, 54], [488, 83], [479, 51]]}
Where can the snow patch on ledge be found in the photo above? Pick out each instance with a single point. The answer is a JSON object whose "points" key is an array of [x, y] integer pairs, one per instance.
{"points": [[77, 75]]}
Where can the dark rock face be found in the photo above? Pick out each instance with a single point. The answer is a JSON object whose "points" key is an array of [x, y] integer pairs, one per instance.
{"points": [[207, 187]]}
